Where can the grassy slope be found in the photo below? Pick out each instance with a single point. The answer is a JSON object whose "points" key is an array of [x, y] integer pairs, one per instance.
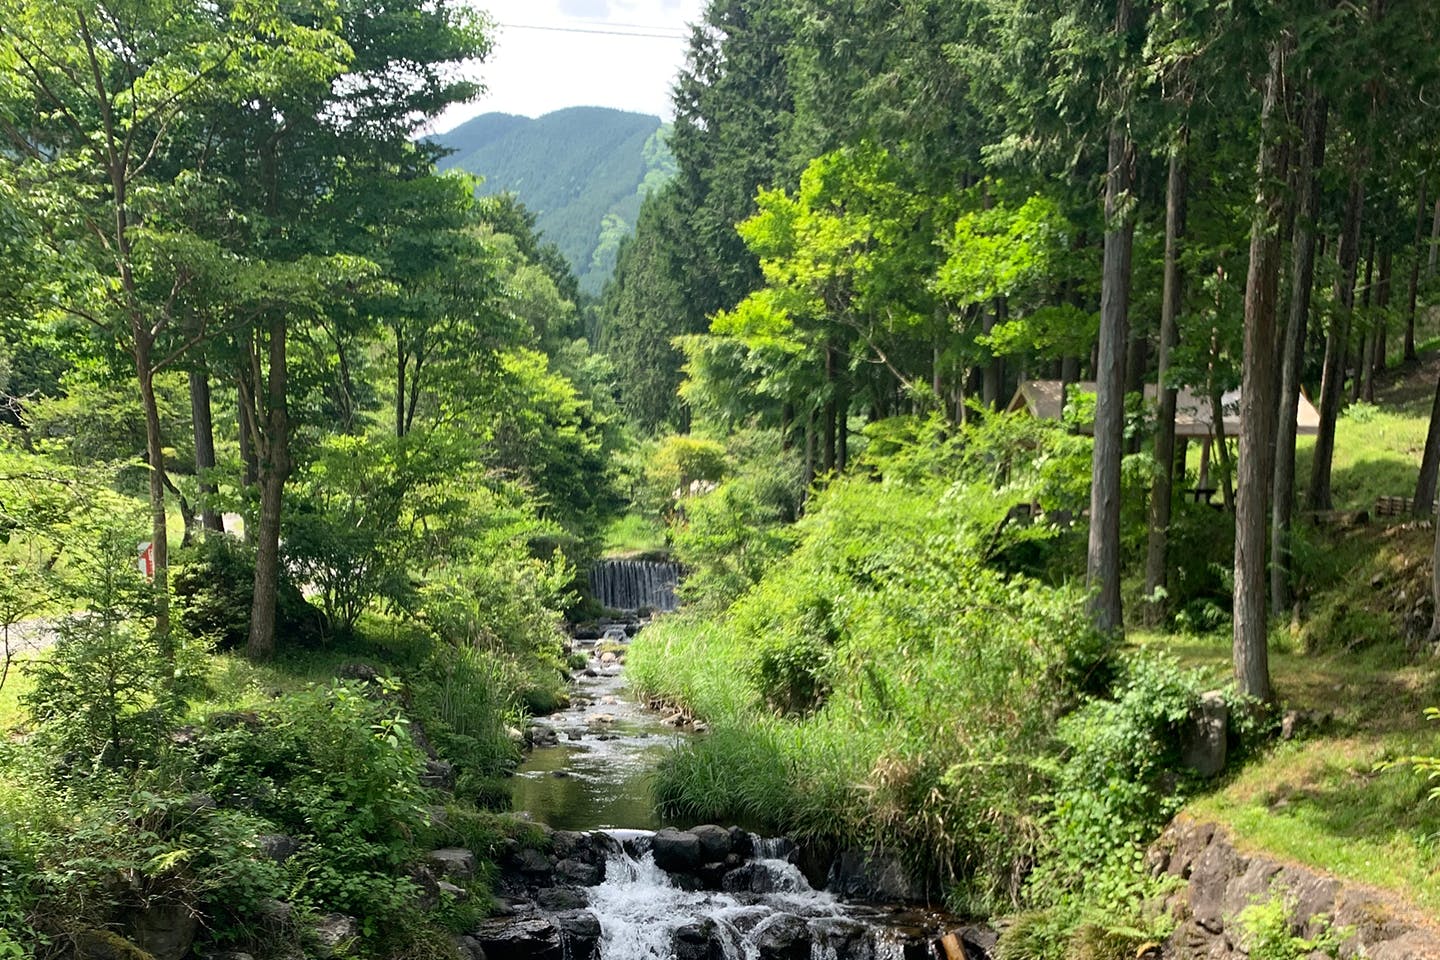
{"points": [[1323, 799]]}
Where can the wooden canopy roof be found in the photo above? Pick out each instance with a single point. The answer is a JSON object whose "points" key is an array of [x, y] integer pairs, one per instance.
{"points": [[1042, 398]]}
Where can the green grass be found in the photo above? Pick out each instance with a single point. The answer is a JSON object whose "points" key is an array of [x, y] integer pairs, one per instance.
{"points": [[17, 684], [633, 534], [1324, 799], [1327, 799], [1377, 453]]}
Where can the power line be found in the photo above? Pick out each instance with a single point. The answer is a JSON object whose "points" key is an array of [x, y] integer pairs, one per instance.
{"points": [[595, 31]]}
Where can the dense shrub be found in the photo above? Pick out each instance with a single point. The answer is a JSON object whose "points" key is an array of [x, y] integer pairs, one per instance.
{"points": [[731, 535], [899, 679], [921, 682], [1117, 779], [213, 584]]}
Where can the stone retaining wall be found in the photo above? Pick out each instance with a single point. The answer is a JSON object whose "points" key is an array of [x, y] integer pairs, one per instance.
{"points": [[1225, 880]]}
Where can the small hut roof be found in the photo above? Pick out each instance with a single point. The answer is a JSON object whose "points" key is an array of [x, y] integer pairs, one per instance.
{"points": [[1042, 398]]}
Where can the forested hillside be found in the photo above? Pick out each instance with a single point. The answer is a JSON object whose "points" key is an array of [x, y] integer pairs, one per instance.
{"points": [[584, 171]]}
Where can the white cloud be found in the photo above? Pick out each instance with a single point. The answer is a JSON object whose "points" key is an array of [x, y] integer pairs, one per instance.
{"points": [[535, 71]]}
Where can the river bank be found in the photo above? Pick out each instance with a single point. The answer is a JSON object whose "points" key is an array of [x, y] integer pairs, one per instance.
{"points": [[610, 878]]}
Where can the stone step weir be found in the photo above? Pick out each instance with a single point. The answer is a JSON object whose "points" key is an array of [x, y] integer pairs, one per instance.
{"points": [[636, 584], [710, 893]]}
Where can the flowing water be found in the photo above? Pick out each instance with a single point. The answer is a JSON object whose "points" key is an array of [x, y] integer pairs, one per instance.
{"points": [[597, 775], [635, 584], [643, 912]]}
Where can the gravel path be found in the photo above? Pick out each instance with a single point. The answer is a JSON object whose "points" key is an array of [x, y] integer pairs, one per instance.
{"points": [[31, 636]]}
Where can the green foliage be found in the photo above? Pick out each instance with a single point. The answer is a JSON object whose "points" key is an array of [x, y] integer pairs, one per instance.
{"points": [[346, 533], [1362, 412], [1267, 933], [728, 537], [214, 583], [470, 699], [335, 767], [1429, 766], [677, 464], [106, 690], [1202, 553], [859, 635], [1117, 781], [552, 442]]}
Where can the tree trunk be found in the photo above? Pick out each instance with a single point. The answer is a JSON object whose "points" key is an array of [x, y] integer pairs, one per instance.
{"points": [[1069, 373], [842, 418], [1435, 587], [809, 449], [155, 455], [1434, 241], [1364, 383], [827, 433], [1102, 569], [1222, 451], [1162, 489], [1414, 292], [1137, 358], [249, 462], [402, 362], [1302, 271], [1382, 320], [990, 377], [937, 385], [1337, 343], [1429, 462], [1257, 405], [203, 426], [274, 471]]}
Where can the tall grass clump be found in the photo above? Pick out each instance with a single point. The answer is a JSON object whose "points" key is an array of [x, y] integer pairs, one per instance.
{"points": [[888, 682], [913, 676]]}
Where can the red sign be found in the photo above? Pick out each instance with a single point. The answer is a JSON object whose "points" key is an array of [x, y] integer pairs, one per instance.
{"points": [[146, 559]]}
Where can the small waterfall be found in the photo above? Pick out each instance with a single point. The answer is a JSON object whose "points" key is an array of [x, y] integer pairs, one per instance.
{"points": [[645, 914], [633, 584], [704, 894]]}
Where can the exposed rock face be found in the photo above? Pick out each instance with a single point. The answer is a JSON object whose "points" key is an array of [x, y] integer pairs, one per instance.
{"points": [[529, 938], [438, 775], [165, 930], [697, 941], [875, 876], [784, 937], [715, 842], [452, 862], [1203, 748], [1224, 881], [336, 934], [276, 846]]}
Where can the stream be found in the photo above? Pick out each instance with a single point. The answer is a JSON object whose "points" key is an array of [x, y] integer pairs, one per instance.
{"points": [[597, 774], [620, 883]]}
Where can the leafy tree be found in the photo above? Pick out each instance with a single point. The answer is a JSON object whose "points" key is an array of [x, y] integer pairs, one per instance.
{"points": [[91, 121]]}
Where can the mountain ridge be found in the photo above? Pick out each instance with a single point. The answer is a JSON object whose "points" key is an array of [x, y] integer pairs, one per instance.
{"points": [[583, 171]]}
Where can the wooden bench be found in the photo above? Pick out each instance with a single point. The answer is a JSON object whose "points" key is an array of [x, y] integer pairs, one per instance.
{"points": [[1396, 507], [1202, 494]]}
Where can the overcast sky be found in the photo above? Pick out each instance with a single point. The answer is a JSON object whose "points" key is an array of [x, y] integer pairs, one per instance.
{"points": [[534, 71]]}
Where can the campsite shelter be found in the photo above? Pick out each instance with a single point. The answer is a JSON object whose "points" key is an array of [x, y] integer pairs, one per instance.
{"points": [[1193, 411]]}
